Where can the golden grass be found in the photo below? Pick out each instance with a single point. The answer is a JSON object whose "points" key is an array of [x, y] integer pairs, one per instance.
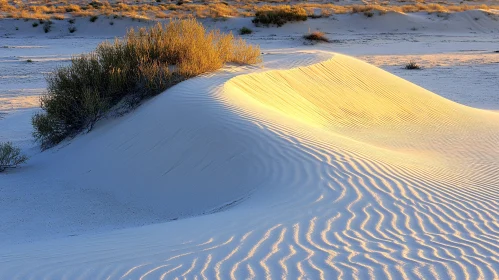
{"points": [[316, 36]]}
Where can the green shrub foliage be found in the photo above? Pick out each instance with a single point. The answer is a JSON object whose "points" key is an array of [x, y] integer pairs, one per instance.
{"points": [[10, 156]]}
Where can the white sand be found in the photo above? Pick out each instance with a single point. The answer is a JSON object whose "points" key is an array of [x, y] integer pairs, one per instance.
{"points": [[333, 169]]}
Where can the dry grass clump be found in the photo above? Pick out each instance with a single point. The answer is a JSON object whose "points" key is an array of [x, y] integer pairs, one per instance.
{"points": [[412, 65], [316, 36], [279, 15], [10, 156], [245, 31], [221, 10], [144, 63], [362, 8]]}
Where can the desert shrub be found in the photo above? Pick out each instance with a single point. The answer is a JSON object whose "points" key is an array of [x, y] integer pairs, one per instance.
{"points": [[279, 15], [136, 67], [93, 18], [412, 65], [368, 13], [47, 26], [71, 29], [71, 21], [245, 30], [35, 24], [10, 156], [316, 36]]}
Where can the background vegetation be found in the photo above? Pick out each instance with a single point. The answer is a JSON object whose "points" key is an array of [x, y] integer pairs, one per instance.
{"points": [[154, 9]]}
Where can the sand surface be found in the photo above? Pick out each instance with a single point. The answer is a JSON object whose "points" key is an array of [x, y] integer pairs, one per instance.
{"points": [[312, 165]]}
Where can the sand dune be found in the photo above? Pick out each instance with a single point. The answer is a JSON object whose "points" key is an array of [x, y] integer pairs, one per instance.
{"points": [[333, 170]]}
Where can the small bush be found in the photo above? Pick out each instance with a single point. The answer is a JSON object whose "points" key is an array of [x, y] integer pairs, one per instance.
{"points": [[47, 26], [412, 65], [245, 30], [29, 61], [35, 24], [93, 18], [368, 14], [71, 21], [10, 156], [316, 36], [279, 16], [72, 29], [135, 67]]}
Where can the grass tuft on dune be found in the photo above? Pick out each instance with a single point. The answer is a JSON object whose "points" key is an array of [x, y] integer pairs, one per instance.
{"points": [[142, 64]]}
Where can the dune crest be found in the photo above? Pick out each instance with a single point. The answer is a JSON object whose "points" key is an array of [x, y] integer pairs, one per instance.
{"points": [[346, 97], [350, 97]]}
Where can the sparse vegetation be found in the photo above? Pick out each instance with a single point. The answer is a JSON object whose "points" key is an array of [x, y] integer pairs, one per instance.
{"points": [[412, 65], [279, 16], [368, 14], [93, 18], [135, 67], [245, 30], [71, 21], [316, 36], [71, 29], [35, 24], [29, 61], [10, 156]]}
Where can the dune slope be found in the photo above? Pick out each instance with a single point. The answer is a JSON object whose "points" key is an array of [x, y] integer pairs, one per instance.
{"points": [[346, 172]]}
